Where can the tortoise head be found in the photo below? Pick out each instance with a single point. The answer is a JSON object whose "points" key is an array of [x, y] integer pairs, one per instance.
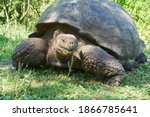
{"points": [[65, 44]]}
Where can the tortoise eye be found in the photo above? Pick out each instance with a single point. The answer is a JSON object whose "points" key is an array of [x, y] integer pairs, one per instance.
{"points": [[63, 41]]}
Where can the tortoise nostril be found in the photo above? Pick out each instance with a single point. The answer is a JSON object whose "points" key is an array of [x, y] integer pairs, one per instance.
{"points": [[71, 43]]}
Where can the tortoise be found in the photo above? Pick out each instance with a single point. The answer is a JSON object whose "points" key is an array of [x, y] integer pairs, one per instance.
{"points": [[99, 35]]}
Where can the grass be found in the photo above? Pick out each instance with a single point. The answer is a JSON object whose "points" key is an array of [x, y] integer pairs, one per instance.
{"points": [[54, 83], [10, 36]]}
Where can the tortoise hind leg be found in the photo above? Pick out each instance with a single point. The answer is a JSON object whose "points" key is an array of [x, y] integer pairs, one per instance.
{"points": [[141, 58], [30, 52], [132, 64], [96, 60]]}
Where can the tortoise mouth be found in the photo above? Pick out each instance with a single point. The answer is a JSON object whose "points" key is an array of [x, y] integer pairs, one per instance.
{"points": [[65, 51], [70, 49]]}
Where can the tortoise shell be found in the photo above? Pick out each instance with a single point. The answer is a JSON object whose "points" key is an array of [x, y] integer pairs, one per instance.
{"points": [[106, 24]]}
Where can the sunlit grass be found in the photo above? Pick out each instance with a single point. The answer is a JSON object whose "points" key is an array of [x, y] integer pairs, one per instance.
{"points": [[10, 36]]}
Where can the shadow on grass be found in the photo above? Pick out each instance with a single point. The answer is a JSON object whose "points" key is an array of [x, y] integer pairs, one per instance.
{"points": [[136, 78], [139, 77], [52, 84]]}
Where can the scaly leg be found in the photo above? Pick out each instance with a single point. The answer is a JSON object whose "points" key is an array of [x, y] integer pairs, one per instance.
{"points": [[96, 60], [30, 52]]}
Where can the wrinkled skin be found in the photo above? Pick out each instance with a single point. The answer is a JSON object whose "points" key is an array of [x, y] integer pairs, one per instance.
{"points": [[34, 52], [30, 53], [96, 60]]}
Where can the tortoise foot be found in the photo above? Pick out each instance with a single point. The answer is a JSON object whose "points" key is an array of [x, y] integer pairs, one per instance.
{"points": [[96, 60], [30, 53], [141, 58], [115, 80]]}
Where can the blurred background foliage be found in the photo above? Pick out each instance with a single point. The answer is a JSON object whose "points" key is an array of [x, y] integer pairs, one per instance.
{"points": [[140, 12], [24, 12]]}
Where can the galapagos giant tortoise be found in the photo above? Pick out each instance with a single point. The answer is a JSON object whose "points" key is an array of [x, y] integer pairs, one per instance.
{"points": [[100, 36]]}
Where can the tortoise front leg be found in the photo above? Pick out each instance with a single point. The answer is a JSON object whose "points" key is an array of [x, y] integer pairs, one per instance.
{"points": [[30, 53], [96, 60]]}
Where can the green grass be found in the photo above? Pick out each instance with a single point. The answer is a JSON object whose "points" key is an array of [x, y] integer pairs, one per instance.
{"points": [[10, 36], [54, 83]]}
